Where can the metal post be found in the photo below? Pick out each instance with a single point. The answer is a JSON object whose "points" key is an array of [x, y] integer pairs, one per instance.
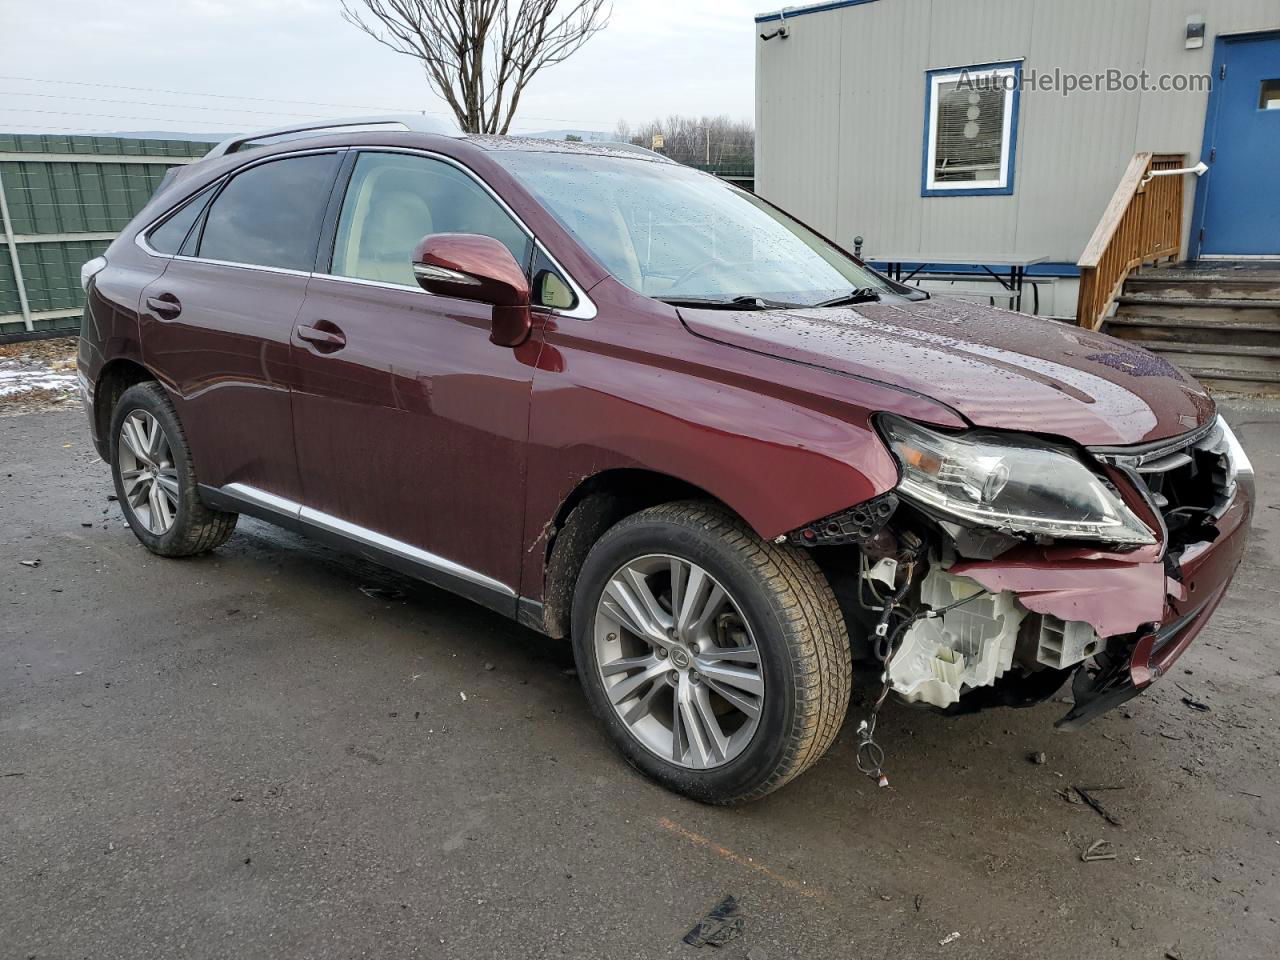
{"points": [[13, 258]]}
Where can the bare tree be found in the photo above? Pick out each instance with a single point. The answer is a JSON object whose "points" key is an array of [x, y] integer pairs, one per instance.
{"points": [[697, 140], [479, 55]]}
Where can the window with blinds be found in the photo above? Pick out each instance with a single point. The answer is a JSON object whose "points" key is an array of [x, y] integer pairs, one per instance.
{"points": [[972, 127]]}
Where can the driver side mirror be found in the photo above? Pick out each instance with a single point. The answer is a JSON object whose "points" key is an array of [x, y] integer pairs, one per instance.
{"points": [[473, 267]]}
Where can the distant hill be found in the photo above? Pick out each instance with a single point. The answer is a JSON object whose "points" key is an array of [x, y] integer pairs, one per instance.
{"points": [[165, 135]]}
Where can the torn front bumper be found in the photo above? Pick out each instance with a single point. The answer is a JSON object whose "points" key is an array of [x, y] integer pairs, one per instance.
{"points": [[1146, 607]]}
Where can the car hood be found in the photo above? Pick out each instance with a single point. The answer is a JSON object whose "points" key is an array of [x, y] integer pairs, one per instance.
{"points": [[996, 368]]}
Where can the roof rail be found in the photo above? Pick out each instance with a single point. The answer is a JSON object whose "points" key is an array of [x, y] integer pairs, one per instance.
{"points": [[413, 122]]}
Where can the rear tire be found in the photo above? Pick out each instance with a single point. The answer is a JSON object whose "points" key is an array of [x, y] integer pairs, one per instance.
{"points": [[725, 713], [155, 480]]}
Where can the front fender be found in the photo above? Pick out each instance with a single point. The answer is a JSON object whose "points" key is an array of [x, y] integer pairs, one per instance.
{"points": [[778, 454]]}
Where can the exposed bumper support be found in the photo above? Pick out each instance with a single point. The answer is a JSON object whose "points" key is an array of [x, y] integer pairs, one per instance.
{"points": [[1142, 662], [1113, 596], [1146, 609], [1206, 572]]}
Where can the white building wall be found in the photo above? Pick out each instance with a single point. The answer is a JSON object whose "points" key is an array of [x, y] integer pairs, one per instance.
{"points": [[840, 116]]}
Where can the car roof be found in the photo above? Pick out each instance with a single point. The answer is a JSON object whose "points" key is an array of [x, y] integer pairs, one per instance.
{"points": [[603, 148]]}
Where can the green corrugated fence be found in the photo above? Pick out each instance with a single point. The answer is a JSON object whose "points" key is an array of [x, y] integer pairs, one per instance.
{"points": [[64, 199], [739, 170]]}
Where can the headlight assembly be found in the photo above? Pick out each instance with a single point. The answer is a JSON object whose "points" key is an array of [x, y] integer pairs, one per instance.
{"points": [[1009, 483], [1237, 459]]}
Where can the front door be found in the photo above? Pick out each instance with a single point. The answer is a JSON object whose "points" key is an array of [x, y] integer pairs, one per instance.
{"points": [[1241, 192], [410, 425]]}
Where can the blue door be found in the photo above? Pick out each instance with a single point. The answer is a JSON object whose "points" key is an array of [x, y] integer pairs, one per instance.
{"points": [[1241, 192]]}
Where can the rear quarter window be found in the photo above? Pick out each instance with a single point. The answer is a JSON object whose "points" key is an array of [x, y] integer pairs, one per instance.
{"points": [[168, 237]]}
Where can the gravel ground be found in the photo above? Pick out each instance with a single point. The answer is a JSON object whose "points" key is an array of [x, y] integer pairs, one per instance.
{"points": [[40, 375], [246, 755]]}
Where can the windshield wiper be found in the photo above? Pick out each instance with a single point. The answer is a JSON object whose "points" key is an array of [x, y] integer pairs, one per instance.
{"points": [[734, 303], [861, 295]]}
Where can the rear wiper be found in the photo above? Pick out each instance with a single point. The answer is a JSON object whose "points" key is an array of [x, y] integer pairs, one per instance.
{"points": [[734, 303], [861, 295]]}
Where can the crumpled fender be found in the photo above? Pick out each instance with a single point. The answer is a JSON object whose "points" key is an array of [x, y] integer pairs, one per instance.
{"points": [[1111, 595]]}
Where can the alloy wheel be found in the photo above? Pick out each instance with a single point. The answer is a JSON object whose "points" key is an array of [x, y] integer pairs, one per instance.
{"points": [[147, 473], [678, 661]]}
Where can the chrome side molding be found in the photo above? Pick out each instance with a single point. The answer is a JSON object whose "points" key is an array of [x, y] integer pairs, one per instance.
{"points": [[307, 516], [242, 491]]}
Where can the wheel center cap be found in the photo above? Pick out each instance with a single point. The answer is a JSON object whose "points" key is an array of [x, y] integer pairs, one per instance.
{"points": [[680, 658]]}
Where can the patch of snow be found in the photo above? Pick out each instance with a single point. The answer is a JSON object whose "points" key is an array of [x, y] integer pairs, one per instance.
{"points": [[15, 379]]}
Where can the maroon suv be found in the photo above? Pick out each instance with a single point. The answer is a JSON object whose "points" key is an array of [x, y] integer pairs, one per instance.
{"points": [[622, 401]]}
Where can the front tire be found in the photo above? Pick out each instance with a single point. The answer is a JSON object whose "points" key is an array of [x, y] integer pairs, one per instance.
{"points": [[155, 480], [718, 663]]}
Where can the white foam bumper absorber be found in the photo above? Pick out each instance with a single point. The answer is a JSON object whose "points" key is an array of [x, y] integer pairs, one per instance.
{"points": [[970, 646], [1063, 644]]}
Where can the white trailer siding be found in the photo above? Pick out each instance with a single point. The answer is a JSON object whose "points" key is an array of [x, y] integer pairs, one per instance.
{"points": [[840, 112]]}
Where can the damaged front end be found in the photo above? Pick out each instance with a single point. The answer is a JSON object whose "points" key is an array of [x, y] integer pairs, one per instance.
{"points": [[1003, 566]]}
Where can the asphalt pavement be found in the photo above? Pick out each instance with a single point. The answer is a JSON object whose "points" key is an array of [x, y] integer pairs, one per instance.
{"points": [[279, 751]]}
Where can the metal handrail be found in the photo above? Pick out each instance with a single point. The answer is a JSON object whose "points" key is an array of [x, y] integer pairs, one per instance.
{"points": [[1200, 169]]}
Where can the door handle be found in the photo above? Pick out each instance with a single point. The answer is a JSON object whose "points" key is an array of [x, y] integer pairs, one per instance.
{"points": [[332, 338], [166, 306]]}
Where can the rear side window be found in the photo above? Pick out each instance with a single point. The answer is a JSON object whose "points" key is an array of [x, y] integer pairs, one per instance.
{"points": [[168, 237], [395, 199], [270, 215]]}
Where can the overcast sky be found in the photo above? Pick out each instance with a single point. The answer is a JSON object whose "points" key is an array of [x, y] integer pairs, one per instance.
{"points": [[656, 57]]}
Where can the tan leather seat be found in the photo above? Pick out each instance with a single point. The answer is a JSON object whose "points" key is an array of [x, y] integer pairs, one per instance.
{"points": [[396, 222]]}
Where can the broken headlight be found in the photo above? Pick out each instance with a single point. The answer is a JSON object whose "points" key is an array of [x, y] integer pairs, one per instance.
{"points": [[1009, 483], [1237, 460]]}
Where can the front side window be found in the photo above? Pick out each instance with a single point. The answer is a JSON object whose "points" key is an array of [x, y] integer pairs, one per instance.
{"points": [[971, 130], [168, 237], [396, 199], [673, 233], [270, 214]]}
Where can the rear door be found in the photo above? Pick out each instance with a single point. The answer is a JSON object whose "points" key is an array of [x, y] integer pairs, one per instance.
{"points": [[411, 425], [216, 325]]}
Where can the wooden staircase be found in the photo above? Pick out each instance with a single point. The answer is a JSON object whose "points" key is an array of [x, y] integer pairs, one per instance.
{"points": [[1220, 322]]}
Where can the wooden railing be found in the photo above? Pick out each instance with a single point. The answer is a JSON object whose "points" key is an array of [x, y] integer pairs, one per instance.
{"points": [[1142, 224]]}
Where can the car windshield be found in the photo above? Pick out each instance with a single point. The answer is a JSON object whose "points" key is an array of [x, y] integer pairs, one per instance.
{"points": [[674, 233]]}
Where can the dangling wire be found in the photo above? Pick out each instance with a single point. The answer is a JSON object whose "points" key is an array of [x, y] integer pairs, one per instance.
{"points": [[870, 755], [865, 582]]}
